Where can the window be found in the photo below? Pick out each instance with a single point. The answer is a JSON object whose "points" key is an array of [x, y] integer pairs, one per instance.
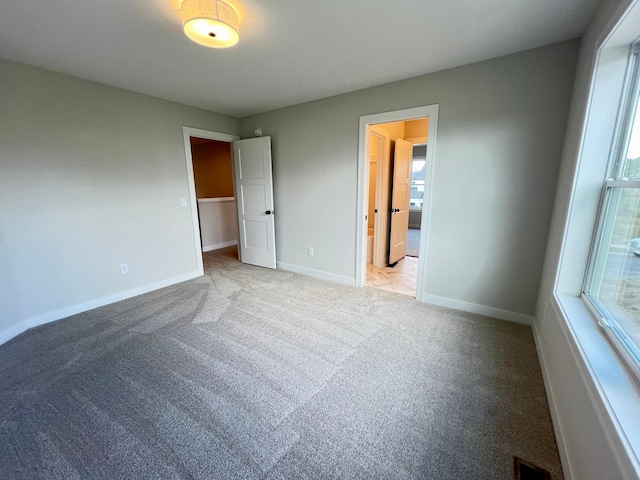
{"points": [[613, 282], [418, 173]]}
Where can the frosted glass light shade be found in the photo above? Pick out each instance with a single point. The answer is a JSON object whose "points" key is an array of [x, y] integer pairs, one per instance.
{"points": [[212, 23]]}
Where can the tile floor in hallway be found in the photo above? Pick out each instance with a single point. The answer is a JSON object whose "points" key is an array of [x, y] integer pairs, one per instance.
{"points": [[399, 279]]}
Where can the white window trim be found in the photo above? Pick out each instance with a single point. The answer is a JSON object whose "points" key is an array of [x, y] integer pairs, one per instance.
{"points": [[612, 388], [614, 391]]}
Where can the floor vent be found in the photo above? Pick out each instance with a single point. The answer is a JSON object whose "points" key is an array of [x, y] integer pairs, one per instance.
{"points": [[527, 471]]}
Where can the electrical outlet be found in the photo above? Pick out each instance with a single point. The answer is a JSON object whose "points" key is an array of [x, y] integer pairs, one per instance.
{"points": [[183, 202], [124, 268], [311, 251]]}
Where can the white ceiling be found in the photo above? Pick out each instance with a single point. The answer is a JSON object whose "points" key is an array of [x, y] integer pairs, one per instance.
{"points": [[290, 51]]}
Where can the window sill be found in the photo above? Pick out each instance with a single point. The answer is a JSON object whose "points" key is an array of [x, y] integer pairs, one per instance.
{"points": [[616, 393]]}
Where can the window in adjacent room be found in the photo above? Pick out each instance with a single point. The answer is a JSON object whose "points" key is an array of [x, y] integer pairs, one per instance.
{"points": [[418, 175], [613, 281]]}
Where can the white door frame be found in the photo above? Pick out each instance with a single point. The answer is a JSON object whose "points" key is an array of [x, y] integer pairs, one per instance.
{"points": [[187, 133], [430, 111]]}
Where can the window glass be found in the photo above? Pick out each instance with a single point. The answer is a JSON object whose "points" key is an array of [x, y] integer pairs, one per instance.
{"points": [[613, 283], [632, 158], [418, 171], [615, 287]]}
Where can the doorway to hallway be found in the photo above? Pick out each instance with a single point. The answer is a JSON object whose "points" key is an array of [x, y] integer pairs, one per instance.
{"points": [[394, 189]]}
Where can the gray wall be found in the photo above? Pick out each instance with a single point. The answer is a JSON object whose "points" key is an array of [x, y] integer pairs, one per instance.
{"points": [[90, 177], [500, 135], [415, 217]]}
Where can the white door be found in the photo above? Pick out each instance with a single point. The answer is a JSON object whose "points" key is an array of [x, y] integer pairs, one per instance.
{"points": [[379, 210], [400, 199], [254, 199]]}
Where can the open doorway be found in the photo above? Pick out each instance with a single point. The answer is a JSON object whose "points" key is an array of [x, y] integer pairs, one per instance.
{"points": [[252, 184], [394, 184], [397, 164], [208, 158], [213, 176]]}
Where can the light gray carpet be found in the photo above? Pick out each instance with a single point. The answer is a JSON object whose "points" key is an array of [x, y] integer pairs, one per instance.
{"points": [[413, 242], [250, 373]]}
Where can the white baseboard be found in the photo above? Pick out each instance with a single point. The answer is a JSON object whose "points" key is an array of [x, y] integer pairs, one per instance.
{"points": [[25, 325], [310, 272], [218, 246], [556, 420], [480, 309], [609, 396]]}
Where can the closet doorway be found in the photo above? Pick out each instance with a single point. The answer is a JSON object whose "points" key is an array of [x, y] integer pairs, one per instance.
{"points": [[211, 190]]}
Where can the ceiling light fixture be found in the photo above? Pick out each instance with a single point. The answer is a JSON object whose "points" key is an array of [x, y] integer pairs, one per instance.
{"points": [[212, 23]]}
